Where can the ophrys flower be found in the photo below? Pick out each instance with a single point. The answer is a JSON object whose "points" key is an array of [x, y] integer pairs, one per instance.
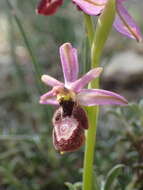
{"points": [[70, 119], [123, 23]]}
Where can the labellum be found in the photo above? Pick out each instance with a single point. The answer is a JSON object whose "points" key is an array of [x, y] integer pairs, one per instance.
{"points": [[69, 123]]}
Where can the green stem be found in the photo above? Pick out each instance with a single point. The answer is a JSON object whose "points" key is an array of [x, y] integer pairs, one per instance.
{"points": [[89, 27], [85, 56], [93, 113], [89, 148], [97, 43]]}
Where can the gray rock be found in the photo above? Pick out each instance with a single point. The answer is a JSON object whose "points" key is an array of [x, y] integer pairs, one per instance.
{"points": [[124, 72], [126, 63]]}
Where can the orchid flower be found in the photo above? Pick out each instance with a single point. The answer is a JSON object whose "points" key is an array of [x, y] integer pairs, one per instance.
{"points": [[48, 7], [70, 120], [73, 88], [123, 23]]}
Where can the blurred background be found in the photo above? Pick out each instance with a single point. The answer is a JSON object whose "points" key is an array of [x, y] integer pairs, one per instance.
{"points": [[28, 159]]}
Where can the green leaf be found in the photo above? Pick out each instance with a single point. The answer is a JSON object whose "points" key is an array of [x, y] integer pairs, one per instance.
{"points": [[111, 176]]}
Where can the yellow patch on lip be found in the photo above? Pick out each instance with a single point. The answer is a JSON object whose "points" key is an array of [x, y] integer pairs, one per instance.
{"points": [[65, 95]]}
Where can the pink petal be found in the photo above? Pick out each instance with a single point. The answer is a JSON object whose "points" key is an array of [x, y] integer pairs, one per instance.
{"points": [[125, 24], [48, 7], [91, 7], [80, 83], [51, 101], [51, 81], [48, 98], [120, 1], [92, 97], [69, 62]]}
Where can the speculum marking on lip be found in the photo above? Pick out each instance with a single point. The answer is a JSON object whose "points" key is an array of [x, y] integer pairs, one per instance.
{"points": [[68, 131]]}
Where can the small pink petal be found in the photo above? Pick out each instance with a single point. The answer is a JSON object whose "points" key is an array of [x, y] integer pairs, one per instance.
{"points": [[51, 81], [50, 101], [47, 95], [91, 7], [80, 83], [120, 1], [48, 7], [48, 98], [125, 24], [92, 97], [69, 62]]}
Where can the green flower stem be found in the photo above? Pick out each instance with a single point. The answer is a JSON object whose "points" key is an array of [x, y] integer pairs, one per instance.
{"points": [[89, 148], [89, 27], [103, 28]]}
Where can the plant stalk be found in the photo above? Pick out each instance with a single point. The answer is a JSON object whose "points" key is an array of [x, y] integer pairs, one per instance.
{"points": [[97, 41]]}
